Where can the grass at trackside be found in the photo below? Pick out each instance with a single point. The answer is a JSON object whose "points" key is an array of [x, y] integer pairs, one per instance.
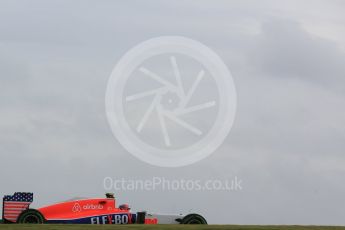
{"points": [[168, 227]]}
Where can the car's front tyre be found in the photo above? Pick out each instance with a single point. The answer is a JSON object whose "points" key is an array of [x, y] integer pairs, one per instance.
{"points": [[193, 219]]}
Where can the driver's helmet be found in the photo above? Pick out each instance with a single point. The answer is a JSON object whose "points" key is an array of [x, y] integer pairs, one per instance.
{"points": [[110, 195], [124, 207]]}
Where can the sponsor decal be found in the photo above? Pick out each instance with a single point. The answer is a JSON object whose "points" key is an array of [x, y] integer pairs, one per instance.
{"points": [[110, 219], [92, 207], [78, 208]]}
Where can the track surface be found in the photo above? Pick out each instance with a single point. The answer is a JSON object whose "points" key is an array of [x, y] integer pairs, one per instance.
{"points": [[168, 227]]}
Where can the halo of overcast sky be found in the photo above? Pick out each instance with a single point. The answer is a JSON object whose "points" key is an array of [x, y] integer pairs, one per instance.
{"points": [[288, 140]]}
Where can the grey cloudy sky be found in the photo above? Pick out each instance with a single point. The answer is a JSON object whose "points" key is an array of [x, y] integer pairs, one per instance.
{"points": [[288, 140]]}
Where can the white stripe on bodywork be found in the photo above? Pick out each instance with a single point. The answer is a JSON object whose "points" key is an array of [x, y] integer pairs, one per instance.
{"points": [[165, 218]]}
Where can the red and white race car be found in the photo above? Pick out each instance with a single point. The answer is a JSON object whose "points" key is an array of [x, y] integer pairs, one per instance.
{"points": [[16, 209]]}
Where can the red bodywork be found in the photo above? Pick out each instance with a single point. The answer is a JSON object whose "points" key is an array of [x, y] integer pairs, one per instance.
{"points": [[81, 211], [78, 209]]}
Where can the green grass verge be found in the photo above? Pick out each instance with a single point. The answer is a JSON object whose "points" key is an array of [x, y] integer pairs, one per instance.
{"points": [[168, 227]]}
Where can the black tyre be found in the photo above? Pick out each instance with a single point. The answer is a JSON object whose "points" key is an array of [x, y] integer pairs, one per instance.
{"points": [[193, 219], [30, 216]]}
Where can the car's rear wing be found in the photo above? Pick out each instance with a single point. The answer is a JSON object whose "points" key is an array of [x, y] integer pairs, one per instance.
{"points": [[14, 205]]}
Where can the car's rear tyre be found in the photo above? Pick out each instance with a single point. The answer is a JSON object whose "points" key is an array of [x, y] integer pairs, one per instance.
{"points": [[193, 219], [30, 216]]}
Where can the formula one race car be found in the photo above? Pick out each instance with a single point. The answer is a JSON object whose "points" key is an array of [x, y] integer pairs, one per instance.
{"points": [[85, 211]]}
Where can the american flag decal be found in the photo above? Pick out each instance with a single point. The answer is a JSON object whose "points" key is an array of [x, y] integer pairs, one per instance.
{"points": [[14, 205]]}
